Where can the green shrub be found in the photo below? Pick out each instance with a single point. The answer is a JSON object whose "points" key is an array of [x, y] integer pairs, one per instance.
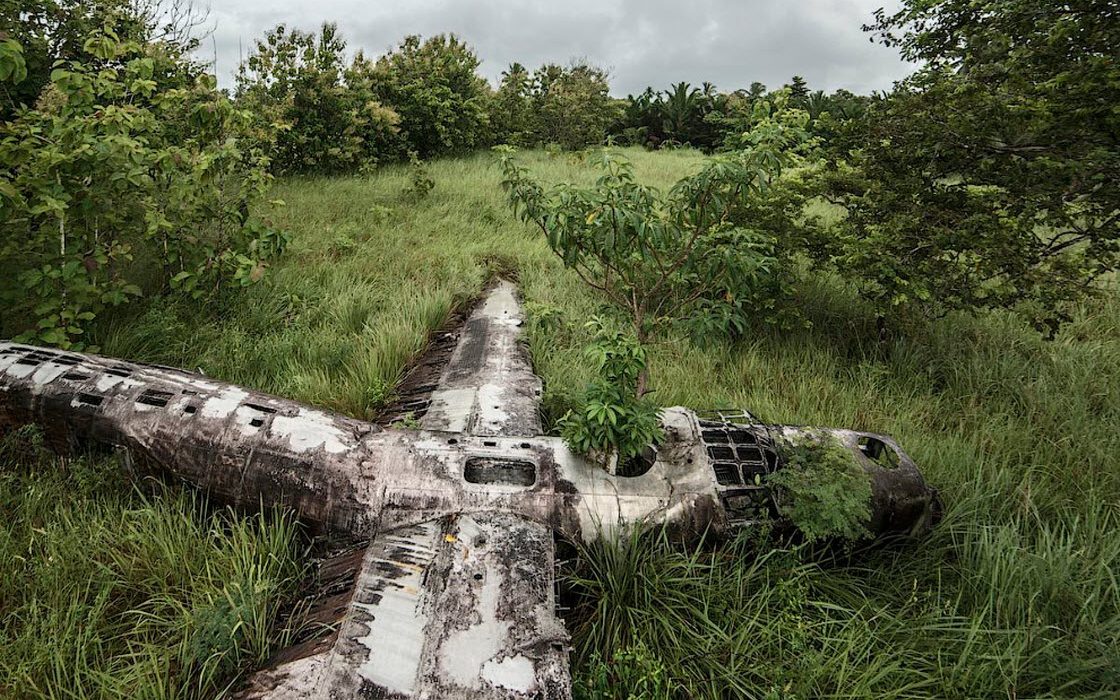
{"points": [[319, 115], [115, 182], [612, 419], [435, 88], [420, 182], [822, 489], [687, 256], [987, 180]]}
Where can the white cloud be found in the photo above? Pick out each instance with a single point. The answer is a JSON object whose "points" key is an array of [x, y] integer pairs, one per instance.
{"points": [[643, 42]]}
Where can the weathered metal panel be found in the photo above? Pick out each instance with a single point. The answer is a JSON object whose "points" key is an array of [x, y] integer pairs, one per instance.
{"points": [[488, 387]]}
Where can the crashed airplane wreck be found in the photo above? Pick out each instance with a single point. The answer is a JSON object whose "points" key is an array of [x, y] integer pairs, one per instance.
{"points": [[451, 594]]}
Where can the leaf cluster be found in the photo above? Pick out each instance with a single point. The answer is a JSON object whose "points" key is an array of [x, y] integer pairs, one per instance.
{"points": [[662, 257], [117, 180], [612, 419], [316, 113], [822, 489], [989, 178], [568, 106]]}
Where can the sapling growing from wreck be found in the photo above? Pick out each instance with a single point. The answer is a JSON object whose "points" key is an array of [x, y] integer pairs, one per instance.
{"points": [[822, 490], [612, 422], [662, 257]]}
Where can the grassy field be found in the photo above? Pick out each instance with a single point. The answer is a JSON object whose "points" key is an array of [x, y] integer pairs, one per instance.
{"points": [[1016, 594]]}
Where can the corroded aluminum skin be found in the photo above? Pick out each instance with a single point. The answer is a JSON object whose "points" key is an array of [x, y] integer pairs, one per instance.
{"points": [[337, 473], [455, 593]]}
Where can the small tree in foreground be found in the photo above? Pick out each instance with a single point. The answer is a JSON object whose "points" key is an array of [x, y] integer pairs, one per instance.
{"points": [[662, 257], [613, 420]]}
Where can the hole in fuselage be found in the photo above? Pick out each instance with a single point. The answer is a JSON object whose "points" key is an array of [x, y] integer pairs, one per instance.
{"points": [[878, 452], [153, 397], [90, 399], [638, 464], [506, 472]]}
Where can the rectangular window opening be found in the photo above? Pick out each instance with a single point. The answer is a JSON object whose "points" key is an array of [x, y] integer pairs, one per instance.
{"points": [[720, 452], [154, 397], [90, 399], [505, 472], [726, 474]]}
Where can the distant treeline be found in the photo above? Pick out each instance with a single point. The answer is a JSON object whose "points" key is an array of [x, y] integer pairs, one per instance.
{"points": [[427, 97], [988, 179]]}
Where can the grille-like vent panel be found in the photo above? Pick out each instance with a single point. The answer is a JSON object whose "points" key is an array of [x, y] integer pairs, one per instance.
{"points": [[741, 457]]}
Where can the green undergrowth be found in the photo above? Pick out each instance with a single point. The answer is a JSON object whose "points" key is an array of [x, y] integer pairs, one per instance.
{"points": [[109, 591], [1015, 594]]}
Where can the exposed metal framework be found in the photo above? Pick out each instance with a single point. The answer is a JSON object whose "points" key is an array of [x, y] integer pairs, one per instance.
{"points": [[454, 594]]}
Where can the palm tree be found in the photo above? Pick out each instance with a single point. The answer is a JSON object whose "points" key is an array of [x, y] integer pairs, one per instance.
{"points": [[680, 110]]}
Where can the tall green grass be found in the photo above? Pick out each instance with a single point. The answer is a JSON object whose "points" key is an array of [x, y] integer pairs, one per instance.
{"points": [[112, 592], [1014, 595]]}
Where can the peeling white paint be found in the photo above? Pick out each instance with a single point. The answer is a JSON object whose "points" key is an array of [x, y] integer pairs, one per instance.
{"points": [[394, 637], [501, 305], [48, 372], [7, 360], [310, 430], [111, 381], [225, 403], [465, 651], [514, 673], [491, 414], [450, 410], [20, 371]]}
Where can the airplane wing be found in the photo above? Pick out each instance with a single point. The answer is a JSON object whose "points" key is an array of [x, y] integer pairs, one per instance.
{"points": [[458, 607]]}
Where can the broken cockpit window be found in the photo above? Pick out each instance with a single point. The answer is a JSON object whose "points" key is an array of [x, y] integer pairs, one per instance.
{"points": [[878, 452]]}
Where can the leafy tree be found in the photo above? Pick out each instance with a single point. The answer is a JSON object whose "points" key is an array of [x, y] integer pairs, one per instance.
{"points": [[572, 105], [50, 31], [990, 178], [324, 116], [664, 257], [511, 116], [680, 115], [435, 88], [639, 123], [798, 90], [112, 168]]}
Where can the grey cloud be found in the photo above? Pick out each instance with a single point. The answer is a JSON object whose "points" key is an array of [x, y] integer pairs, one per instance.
{"points": [[642, 42]]}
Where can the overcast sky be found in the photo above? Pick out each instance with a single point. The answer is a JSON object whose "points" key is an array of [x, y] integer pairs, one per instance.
{"points": [[641, 42]]}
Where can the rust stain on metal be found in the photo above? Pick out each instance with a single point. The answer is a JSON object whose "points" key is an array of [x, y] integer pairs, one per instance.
{"points": [[453, 596]]}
